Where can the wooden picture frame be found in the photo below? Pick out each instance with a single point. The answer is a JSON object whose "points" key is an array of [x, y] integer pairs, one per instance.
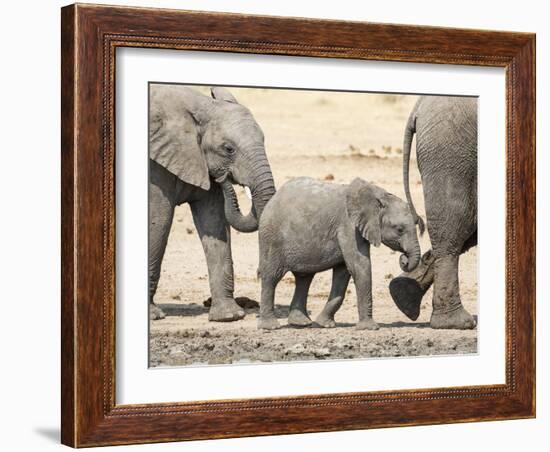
{"points": [[90, 36]]}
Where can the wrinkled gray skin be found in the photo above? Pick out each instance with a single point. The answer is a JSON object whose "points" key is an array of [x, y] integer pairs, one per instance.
{"points": [[198, 147], [446, 148], [310, 226]]}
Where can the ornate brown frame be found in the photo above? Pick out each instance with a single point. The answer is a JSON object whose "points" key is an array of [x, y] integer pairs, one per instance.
{"points": [[90, 35]]}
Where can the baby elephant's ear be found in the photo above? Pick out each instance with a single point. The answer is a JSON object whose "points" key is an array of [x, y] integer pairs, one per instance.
{"points": [[363, 207]]}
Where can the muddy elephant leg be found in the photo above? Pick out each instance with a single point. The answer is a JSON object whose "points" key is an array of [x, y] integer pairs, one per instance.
{"points": [[448, 312], [340, 281], [208, 215], [407, 289], [160, 221], [267, 319], [298, 306]]}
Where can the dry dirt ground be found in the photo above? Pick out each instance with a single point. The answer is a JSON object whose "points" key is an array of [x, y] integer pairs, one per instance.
{"points": [[329, 136]]}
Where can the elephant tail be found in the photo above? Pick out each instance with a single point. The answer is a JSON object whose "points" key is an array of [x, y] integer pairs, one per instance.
{"points": [[410, 130]]}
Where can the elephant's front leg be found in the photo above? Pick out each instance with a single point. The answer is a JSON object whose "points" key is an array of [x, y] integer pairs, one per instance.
{"points": [[208, 215], [160, 220], [356, 253], [363, 285], [448, 312]]}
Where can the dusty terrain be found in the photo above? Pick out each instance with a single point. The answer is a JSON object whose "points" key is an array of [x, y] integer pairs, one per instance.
{"points": [[329, 136]]}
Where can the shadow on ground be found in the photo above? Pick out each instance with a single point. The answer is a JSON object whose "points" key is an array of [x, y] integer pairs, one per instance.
{"points": [[411, 324], [183, 310]]}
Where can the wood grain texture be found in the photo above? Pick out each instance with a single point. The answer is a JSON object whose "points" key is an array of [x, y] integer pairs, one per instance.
{"points": [[90, 36], [68, 310]]}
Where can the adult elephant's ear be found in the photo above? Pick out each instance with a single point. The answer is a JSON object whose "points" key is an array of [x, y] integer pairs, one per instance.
{"points": [[174, 136], [220, 93], [363, 207]]}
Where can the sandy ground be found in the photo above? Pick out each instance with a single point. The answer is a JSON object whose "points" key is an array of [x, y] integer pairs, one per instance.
{"points": [[329, 136]]}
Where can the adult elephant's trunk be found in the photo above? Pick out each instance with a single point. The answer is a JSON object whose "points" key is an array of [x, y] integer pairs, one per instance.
{"points": [[262, 188], [410, 259], [233, 213]]}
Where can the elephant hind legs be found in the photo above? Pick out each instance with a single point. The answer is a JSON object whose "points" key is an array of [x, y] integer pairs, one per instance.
{"points": [[298, 315], [267, 319], [340, 280], [458, 319], [448, 311], [408, 289]]}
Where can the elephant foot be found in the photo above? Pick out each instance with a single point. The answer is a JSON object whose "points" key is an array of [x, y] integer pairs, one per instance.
{"points": [[225, 310], [407, 289], [155, 313], [325, 321], [367, 324], [407, 295], [457, 319], [298, 318], [268, 323], [243, 302]]}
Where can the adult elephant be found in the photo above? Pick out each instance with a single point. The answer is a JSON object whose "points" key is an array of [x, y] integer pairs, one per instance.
{"points": [[198, 147], [446, 148]]}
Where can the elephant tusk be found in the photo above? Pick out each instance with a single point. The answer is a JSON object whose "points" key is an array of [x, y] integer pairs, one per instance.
{"points": [[248, 192]]}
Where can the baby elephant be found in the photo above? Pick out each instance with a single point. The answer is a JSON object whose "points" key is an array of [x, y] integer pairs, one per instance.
{"points": [[310, 226]]}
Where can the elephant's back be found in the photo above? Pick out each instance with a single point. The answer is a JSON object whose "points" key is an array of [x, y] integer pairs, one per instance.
{"points": [[300, 199], [450, 120], [301, 221]]}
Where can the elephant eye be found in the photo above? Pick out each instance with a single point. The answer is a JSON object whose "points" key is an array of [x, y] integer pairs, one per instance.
{"points": [[399, 229], [228, 148]]}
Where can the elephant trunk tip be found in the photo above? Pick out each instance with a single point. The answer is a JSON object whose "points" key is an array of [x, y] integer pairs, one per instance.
{"points": [[406, 264]]}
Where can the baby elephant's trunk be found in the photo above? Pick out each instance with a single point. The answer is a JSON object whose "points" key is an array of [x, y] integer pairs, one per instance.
{"points": [[409, 261]]}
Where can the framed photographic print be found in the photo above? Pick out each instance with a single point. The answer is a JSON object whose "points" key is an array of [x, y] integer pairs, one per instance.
{"points": [[280, 225]]}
